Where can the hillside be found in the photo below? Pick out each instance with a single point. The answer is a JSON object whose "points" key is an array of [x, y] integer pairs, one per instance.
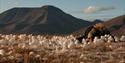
{"points": [[116, 25], [46, 19]]}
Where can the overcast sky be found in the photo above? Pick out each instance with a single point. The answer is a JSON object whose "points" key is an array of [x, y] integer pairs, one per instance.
{"points": [[84, 9]]}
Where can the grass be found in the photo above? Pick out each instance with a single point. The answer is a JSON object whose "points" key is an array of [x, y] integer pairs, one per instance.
{"points": [[54, 53]]}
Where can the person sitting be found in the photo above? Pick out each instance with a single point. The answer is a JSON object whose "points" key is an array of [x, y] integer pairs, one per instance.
{"points": [[96, 30]]}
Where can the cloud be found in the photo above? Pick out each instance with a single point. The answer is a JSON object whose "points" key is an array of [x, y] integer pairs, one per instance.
{"points": [[94, 9]]}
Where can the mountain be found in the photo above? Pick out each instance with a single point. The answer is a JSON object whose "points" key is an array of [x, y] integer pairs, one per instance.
{"points": [[46, 19], [97, 21], [116, 25]]}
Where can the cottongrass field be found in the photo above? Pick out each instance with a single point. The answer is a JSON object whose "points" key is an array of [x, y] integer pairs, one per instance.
{"points": [[60, 49]]}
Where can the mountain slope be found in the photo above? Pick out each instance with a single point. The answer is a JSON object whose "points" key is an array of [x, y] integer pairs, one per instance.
{"points": [[117, 25], [46, 19]]}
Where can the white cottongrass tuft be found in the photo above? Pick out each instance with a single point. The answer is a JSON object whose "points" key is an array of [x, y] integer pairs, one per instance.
{"points": [[31, 53], [37, 56], [95, 40], [84, 42], [11, 57], [116, 39], [71, 45], [107, 35], [98, 41], [2, 52], [103, 37], [76, 42], [10, 52], [110, 39], [122, 38]]}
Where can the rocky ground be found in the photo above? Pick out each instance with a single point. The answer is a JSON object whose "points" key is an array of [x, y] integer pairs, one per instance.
{"points": [[59, 49]]}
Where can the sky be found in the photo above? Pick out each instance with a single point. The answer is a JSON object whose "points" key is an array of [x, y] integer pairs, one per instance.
{"points": [[83, 9]]}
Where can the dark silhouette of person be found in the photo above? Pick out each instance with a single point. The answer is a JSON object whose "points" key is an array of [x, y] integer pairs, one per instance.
{"points": [[96, 30]]}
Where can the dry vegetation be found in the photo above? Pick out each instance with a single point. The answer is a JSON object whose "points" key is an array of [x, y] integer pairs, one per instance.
{"points": [[60, 49]]}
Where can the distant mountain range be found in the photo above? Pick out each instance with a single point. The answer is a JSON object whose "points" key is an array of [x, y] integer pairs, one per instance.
{"points": [[51, 20]]}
